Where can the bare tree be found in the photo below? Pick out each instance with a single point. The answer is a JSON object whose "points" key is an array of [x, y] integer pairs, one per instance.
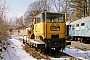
{"points": [[35, 8], [3, 22], [58, 5], [20, 22], [39, 6], [80, 8]]}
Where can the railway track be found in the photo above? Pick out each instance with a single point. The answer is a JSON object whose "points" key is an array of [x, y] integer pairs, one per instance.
{"points": [[55, 54], [77, 45], [34, 53]]}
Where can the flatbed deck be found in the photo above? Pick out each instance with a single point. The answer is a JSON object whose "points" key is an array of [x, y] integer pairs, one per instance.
{"points": [[38, 44]]}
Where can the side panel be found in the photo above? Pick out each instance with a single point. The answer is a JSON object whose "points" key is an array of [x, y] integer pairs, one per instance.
{"points": [[39, 29]]}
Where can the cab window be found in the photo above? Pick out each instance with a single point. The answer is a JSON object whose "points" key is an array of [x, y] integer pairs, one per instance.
{"points": [[82, 24], [52, 17], [39, 18], [77, 25]]}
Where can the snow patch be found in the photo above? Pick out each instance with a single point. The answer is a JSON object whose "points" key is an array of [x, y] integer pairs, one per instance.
{"points": [[15, 51], [84, 55]]}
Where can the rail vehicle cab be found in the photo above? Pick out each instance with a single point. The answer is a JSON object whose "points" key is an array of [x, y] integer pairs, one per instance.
{"points": [[50, 28]]}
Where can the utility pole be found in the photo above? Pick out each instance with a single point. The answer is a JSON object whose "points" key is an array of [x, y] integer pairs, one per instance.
{"points": [[89, 8], [66, 11], [85, 8], [45, 5]]}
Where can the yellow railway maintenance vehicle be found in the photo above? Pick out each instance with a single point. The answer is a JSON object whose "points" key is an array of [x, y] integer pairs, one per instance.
{"points": [[48, 31]]}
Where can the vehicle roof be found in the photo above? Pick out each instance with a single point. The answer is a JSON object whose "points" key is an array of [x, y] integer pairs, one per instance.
{"points": [[68, 22], [81, 20], [49, 12]]}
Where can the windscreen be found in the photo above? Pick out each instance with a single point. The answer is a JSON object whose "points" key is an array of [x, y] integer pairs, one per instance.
{"points": [[55, 17]]}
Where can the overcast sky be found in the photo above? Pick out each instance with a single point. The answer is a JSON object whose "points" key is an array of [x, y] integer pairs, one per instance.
{"points": [[18, 7]]}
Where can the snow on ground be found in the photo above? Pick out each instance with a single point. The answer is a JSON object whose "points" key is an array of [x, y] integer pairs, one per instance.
{"points": [[15, 51], [84, 55]]}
